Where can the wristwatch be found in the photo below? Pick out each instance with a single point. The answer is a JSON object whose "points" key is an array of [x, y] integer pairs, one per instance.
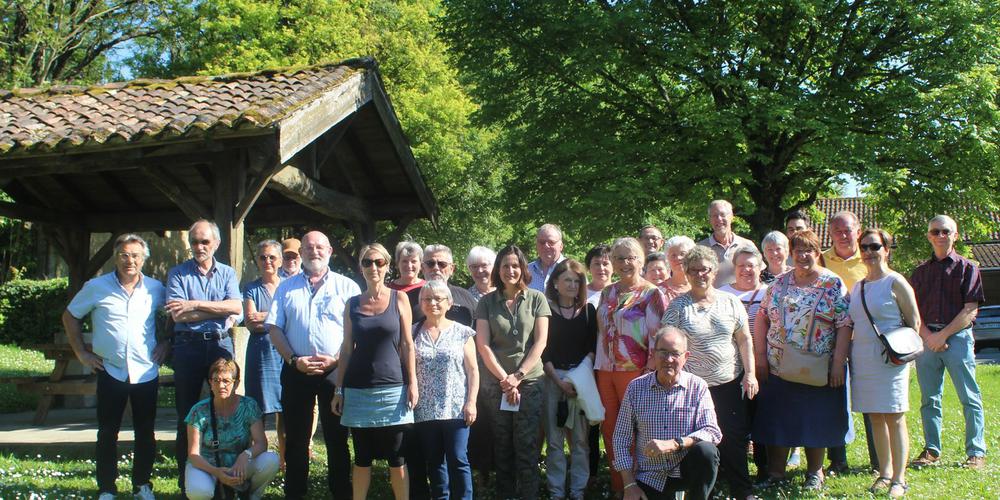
{"points": [[292, 359], [248, 453], [680, 443], [519, 374]]}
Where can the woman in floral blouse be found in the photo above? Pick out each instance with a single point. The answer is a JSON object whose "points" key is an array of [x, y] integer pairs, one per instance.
{"points": [[809, 301], [448, 381], [628, 317]]}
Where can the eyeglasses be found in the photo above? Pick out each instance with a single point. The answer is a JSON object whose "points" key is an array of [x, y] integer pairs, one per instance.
{"points": [[940, 232], [431, 264], [378, 262], [291, 256], [699, 271], [874, 247], [665, 354], [434, 300], [130, 256], [223, 381], [630, 258], [270, 258]]}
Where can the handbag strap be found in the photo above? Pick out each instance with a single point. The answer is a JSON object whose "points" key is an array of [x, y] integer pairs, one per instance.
{"points": [[864, 304], [812, 314], [226, 492]]}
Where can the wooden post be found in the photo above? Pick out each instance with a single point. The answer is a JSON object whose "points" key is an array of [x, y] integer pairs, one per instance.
{"points": [[229, 189]]}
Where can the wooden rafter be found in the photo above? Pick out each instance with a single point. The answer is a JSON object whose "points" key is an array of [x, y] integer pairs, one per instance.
{"points": [[297, 186], [177, 193]]}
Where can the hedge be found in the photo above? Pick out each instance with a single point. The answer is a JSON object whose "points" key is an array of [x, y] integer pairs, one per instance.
{"points": [[30, 310]]}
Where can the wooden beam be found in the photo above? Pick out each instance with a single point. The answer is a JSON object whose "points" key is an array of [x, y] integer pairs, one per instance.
{"points": [[25, 212], [402, 147], [107, 222], [297, 186], [256, 188], [307, 123], [177, 193], [120, 190], [358, 149], [228, 186], [328, 145], [102, 255]]}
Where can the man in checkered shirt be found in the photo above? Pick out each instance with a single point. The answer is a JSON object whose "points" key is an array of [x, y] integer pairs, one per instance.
{"points": [[668, 418]]}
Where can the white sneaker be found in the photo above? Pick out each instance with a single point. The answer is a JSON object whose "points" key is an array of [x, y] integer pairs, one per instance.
{"points": [[106, 496], [145, 493]]}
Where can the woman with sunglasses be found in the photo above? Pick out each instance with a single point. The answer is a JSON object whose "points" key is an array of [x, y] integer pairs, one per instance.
{"points": [[376, 376], [880, 389], [263, 362], [722, 354], [227, 446], [628, 317]]}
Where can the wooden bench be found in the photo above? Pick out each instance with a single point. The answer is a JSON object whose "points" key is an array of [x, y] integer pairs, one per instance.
{"points": [[58, 383]]}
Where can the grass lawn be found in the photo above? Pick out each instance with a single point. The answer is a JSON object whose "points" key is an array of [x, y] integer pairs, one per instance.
{"points": [[72, 476]]}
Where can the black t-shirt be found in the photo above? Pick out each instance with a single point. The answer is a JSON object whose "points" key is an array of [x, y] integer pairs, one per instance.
{"points": [[570, 340], [462, 308]]}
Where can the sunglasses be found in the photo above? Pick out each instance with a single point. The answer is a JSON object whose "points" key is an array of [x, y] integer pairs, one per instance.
{"points": [[873, 247], [940, 232], [270, 258], [431, 264], [368, 262]]}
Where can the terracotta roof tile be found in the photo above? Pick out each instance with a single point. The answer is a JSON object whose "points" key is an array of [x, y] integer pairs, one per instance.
{"points": [[66, 116], [987, 254]]}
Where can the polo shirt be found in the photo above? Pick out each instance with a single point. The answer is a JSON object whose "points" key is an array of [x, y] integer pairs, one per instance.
{"points": [[724, 254], [540, 278], [512, 334], [186, 282], [313, 322], [851, 269], [124, 325]]}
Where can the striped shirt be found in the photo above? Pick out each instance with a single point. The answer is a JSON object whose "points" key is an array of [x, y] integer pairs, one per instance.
{"points": [[944, 286], [651, 411], [711, 331]]}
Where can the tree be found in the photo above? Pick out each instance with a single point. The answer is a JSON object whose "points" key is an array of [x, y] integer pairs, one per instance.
{"points": [[613, 111], [44, 41], [434, 109]]}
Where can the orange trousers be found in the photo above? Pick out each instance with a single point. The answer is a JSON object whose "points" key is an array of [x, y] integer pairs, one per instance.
{"points": [[611, 386]]}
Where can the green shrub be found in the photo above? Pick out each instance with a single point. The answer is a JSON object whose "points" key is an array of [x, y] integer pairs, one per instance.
{"points": [[30, 310]]}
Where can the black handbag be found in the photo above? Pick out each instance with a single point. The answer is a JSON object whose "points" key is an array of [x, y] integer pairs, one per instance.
{"points": [[899, 346]]}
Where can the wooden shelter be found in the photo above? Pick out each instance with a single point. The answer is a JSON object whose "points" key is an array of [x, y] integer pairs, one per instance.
{"points": [[302, 146]]}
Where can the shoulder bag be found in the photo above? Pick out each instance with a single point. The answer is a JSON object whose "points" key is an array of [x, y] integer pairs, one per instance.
{"points": [[802, 365], [899, 346]]}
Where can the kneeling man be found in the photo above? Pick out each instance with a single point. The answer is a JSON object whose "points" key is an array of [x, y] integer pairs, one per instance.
{"points": [[668, 417]]}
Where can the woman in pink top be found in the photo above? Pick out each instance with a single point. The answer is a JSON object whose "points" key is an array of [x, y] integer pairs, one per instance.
{"points": [[628, 317]]}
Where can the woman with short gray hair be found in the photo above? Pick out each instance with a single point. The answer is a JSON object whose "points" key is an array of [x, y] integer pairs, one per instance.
{"points": [[676, 248], [480, 264], [408, 256], [775, 247]]}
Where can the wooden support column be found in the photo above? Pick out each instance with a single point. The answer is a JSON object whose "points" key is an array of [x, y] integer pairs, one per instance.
{"points": [[230, 187]]}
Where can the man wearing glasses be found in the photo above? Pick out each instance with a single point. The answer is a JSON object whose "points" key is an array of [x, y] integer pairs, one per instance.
{"points": [[124, 354], [651, 239], [439, 264], [204, 301], [291, 262], [668, 417], [306, 323], [949, 290], [549, 245]]}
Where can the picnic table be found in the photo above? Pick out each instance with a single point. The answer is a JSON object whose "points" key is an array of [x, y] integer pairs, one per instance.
{"points": [[58, 383]]}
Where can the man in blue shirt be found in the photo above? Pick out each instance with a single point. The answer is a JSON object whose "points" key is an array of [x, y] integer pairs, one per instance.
{"points": [[204, 301], [549, 245], [125, 356], [306, 323]]}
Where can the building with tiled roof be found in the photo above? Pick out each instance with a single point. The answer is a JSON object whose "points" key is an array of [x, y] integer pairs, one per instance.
{"points": [[305, 146]]}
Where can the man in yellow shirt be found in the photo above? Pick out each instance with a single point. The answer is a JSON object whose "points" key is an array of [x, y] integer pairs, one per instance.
{"points": [[844, 257]]}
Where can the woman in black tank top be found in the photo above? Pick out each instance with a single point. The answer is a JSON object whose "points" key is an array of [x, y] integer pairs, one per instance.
{"points": [[376, 378]]}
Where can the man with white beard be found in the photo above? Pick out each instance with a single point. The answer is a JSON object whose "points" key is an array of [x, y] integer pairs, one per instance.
{"points": [[306, 322]]}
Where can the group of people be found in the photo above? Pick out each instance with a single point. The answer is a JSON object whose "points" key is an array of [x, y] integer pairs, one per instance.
{"points": [[681, 363]]}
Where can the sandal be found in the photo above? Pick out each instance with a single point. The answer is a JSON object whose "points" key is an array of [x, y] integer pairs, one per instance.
{"points": [[898, 490], [882, 483]]}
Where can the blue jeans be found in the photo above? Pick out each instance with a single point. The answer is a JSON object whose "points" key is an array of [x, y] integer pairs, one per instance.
{"points": [[192, 358], [960, 361], [446, 448]]}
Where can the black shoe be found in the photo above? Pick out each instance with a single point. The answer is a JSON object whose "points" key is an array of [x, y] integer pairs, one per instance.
{"points": [[838, 468]]}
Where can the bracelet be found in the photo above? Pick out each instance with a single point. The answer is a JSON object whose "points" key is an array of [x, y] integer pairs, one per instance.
{"points": [[629, 485], [248, 453]]}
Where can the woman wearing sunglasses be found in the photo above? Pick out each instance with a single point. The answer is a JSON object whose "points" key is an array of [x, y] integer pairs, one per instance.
{"points": [[263, 362], [376, 377], [880, 389]]}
